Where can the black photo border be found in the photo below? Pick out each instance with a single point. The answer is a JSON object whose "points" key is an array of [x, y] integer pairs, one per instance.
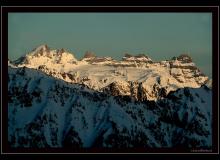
{"points": [[5, 149]]}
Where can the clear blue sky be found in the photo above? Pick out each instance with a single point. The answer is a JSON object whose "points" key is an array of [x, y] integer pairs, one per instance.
{"points": [[159, 35]]}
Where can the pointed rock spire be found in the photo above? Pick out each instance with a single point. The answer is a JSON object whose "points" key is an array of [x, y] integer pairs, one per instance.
{"points": [[184, 58], [89, 54]]}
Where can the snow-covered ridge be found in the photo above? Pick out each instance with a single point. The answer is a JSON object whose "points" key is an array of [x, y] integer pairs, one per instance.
{"points": [[44, 111], [103, 73]]}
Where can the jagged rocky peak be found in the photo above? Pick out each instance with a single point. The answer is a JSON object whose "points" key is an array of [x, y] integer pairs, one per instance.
{"points": [[43, 55], [40, 50], [60, 51], [185, 58], [138, 58], [45, 51], [183, 61], [92, 58], [64, 56], [183, 69], [89, 54]]}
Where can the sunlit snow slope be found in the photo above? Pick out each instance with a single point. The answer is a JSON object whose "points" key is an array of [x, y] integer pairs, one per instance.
{"points": [[130, 74]]}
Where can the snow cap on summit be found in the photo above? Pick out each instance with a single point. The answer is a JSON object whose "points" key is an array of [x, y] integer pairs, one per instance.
{"points": [[40, 49], [43, 55]]}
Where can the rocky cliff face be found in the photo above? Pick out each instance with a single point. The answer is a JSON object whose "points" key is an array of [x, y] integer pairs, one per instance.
{"points": [[45, 111]]}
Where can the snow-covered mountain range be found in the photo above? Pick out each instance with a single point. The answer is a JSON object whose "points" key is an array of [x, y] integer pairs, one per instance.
{"points": [[100, 73], [55, 100]]}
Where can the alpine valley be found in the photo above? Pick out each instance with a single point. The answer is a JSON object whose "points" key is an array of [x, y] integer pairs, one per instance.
{"points": [[55, 100]]}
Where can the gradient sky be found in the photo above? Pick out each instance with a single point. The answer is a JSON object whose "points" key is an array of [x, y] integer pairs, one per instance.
{"points": [[158, 35]]}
